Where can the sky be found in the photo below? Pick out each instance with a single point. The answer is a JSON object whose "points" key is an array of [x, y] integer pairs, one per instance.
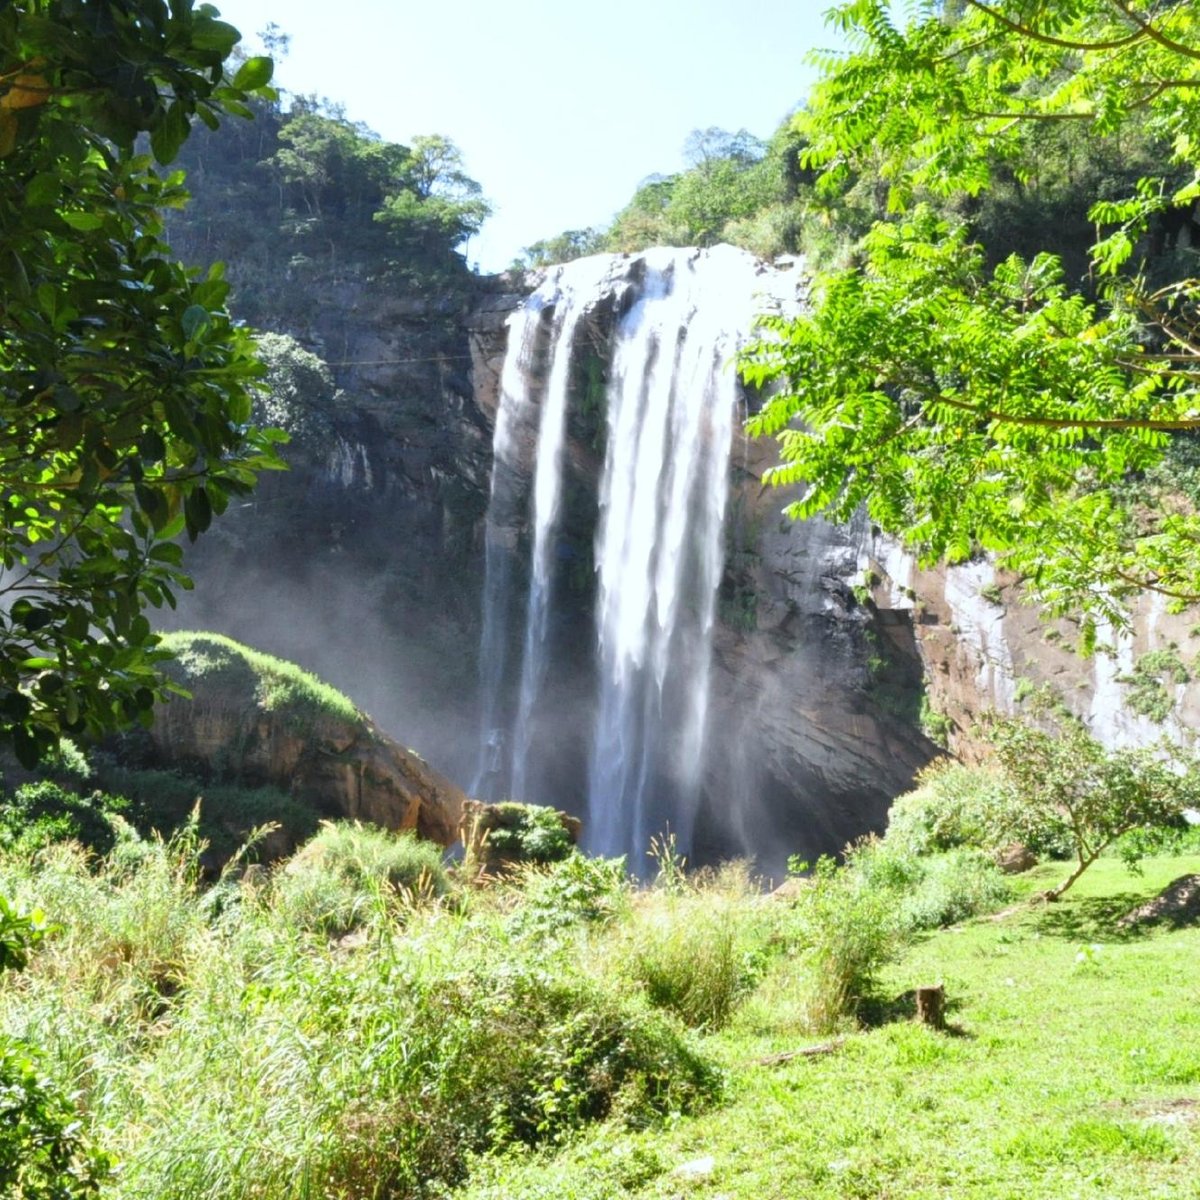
{"points": [[560, 108]]}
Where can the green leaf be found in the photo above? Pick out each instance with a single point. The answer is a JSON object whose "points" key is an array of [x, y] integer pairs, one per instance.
{"points": [[254, 73], [195, 320], [84, 222], [197, 512], [170, 133]]}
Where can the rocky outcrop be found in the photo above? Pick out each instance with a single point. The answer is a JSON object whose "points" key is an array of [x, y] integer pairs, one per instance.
{"points": [[242, 726], [363, 561], [984, 646]]}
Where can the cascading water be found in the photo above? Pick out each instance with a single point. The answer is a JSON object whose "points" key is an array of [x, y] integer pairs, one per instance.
{"points": [[669, 410], [500, 548], [569, 307]]}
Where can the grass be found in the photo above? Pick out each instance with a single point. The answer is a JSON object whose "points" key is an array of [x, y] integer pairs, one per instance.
{"points": [[277, 685], [1072, 1070], [531, 1041]]}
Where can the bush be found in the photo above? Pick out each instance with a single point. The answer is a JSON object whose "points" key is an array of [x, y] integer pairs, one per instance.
{"points": [[955, 805], [348, 871], [847, 928], [955, 886], [43, 1155], [561, 895], [162, 801], [527, 833], [44, 812], [683, 953]]}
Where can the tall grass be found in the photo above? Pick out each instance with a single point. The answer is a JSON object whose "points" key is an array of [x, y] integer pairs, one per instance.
{"points": [[693, 945], [221, 1048]]}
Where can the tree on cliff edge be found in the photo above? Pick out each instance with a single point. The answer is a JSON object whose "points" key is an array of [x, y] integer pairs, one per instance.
{"points": [[126, 391], [968, 406]]}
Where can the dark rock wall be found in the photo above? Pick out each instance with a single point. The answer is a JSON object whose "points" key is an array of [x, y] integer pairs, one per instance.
{"points": [[364, 563]]}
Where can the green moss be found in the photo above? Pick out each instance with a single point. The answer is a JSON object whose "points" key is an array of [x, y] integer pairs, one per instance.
{"points": [[277, 686], [1149, 681]]}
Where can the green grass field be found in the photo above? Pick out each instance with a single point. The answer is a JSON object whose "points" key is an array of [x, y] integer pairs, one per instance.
{"points": [[1071, 1069], [564, 1035]]}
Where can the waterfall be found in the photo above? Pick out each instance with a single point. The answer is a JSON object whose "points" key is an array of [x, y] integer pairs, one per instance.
{"points": [[500, 546], [669, 404], [569, 308]]}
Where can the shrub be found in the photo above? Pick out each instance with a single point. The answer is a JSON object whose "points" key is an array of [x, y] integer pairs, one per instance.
{"points": [[162, 801], [66, 762], [528, 833], [954, 886], [44, 812], [847, 928], [578, 889], [344, 874], [43, 1155], [543, 1053], [932, 889], [955, 805]]}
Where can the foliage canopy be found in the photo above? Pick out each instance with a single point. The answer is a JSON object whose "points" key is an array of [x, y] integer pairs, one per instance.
{"points": [[127, 392], [969, 403]]}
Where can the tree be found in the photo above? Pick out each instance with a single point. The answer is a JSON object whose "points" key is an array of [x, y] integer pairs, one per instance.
{"points": [[1072, 790], [435, 203], [127, 392], [971, 405]]}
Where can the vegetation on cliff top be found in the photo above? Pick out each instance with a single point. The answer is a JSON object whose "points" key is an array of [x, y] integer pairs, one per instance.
{"points": [[273, 683]]}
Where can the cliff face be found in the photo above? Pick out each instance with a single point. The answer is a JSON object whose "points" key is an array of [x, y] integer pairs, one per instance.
{"points": [[815, 693], [984, 646], [363, 561], [365, 564]]}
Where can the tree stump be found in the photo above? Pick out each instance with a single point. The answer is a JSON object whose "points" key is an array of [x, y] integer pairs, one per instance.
{"points": [[931, 1006]]}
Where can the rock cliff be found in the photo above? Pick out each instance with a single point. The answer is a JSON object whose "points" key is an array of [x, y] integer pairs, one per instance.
{"points": [[365, 563], [257, 722]]}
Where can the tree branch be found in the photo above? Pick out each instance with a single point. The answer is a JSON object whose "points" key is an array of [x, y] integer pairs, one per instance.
{"points": [[1150, 30], [1049, 40]]}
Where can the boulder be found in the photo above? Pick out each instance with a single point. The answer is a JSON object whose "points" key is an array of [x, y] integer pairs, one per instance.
{"points": [[256, 721], [1178, 903], [1015, 858]]}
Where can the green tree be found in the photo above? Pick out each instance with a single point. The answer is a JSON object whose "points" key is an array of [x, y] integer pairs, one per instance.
{"points": [[1073, 791], [127, 392], [436, 203], [970, 404], [564, 247]]}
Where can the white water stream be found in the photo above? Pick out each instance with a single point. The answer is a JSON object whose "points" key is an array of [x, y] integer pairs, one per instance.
{"points": [[669, 411]]}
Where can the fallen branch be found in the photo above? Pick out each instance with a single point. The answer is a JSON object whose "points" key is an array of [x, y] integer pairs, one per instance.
{"points": [[774, 1060]]}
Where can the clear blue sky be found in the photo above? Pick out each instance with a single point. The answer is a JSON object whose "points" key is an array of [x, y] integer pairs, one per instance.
{"points": [[560, 107]]}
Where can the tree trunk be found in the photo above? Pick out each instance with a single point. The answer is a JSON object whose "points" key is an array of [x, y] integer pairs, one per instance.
{"points": [[931, 1006]]}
